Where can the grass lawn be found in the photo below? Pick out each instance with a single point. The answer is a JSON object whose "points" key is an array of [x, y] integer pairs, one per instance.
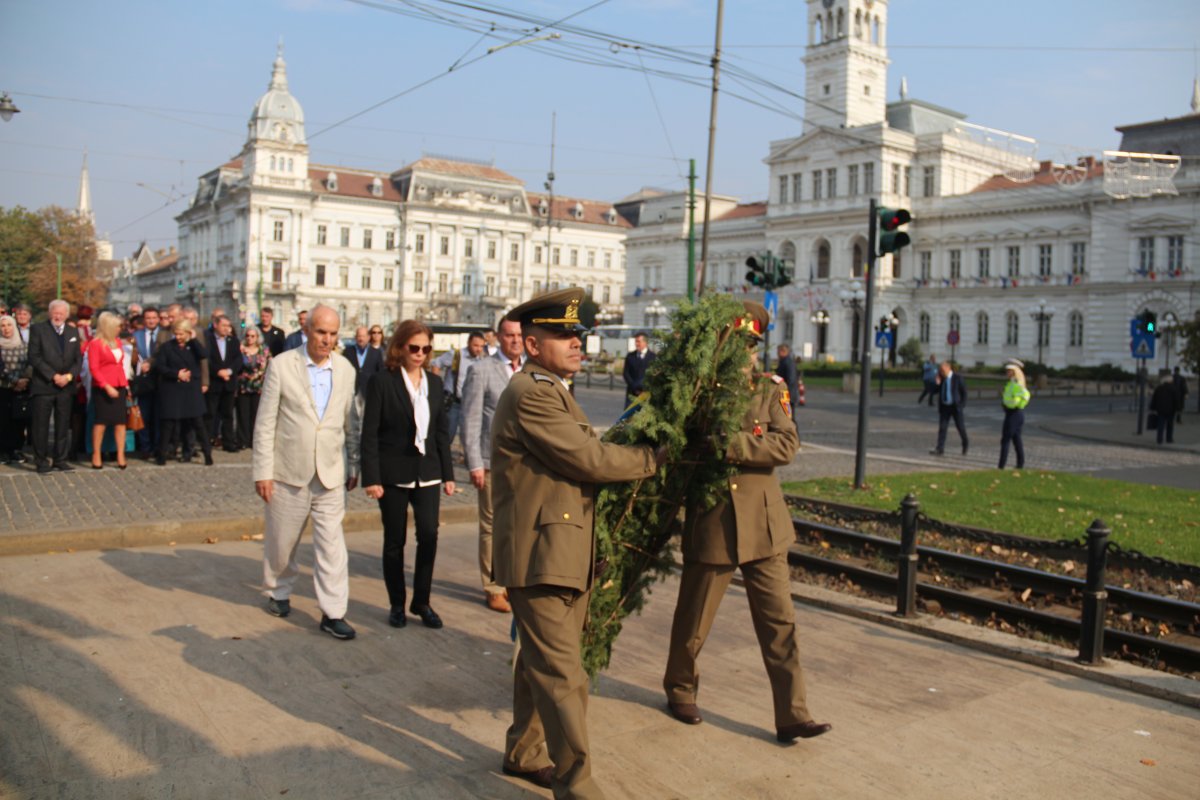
{"points": [[1157, 520]]}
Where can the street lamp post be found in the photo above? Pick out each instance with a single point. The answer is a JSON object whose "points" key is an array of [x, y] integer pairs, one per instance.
{"points": [[853, 298], [655, 310], [1042, 315], [7, 107], [820, 318]]}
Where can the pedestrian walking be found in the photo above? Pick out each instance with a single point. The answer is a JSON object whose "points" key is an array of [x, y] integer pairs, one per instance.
{"points": [[1163, 405], [750, 530], [1014, 400], [929, 376], [546, 462], [1179, 381], [255, 357], [480, 395], [406, 460], [305, 451], [56, 356], [952, 399], [376, 337], [107, 362], [15, 373], [636, 363], [180, 395], [786, 370]]}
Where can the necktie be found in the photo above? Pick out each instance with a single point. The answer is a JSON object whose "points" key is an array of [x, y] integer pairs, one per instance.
{"points": [[949, 396]]}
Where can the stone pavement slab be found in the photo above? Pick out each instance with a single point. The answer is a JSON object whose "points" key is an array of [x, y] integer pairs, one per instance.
{"points": [[156, 672]]}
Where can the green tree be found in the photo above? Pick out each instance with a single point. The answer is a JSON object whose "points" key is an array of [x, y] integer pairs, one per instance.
{"points": [[23, 240], [30, 243], [910, 352], [1188, 334]]}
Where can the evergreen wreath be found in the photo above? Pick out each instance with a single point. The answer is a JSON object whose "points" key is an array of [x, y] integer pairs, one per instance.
{"points": [[697, 392]]}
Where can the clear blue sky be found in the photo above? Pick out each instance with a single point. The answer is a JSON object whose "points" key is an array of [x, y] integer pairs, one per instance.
{"points": [[170, 85]]}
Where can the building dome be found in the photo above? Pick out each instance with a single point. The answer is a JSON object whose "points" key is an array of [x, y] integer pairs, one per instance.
{"points": [[277, 115]]}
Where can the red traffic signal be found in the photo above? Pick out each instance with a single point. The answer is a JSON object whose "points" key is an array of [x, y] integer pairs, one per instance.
{"points": [[890, 219]]}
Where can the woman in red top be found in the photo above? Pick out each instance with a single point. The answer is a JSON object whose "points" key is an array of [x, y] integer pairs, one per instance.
{"points": [[110, 386]]}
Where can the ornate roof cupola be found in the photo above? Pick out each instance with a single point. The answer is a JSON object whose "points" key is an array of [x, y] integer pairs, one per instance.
{"points": [[276, 150], [846, 63]]}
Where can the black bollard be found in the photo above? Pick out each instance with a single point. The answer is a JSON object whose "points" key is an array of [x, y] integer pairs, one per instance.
{"points": [[906, 586], [1095, 597]]}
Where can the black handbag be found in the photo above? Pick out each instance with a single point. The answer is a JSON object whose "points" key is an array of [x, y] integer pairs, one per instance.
{"points": [[141, 384], [1152, 421]]}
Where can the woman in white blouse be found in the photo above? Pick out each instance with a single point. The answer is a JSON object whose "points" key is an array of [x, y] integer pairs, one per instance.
{"points": [[406, 460]]}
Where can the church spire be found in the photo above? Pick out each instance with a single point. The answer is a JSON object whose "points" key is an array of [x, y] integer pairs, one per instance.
{"points": [[1196, 95], [85, 191], [279, 70]]}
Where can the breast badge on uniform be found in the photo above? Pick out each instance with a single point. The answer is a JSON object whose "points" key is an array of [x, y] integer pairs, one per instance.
{"points": [[785, 400]]}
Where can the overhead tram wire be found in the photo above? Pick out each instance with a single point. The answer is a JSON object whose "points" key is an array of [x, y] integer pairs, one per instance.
{"points": [[662, 122]]}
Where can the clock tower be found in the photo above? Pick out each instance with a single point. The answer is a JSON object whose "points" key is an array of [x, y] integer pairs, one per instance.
{"points": [[276, 151], [846, 64]]}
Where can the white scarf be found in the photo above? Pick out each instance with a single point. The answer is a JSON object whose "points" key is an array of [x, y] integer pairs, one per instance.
{"points": [[419, 395]]}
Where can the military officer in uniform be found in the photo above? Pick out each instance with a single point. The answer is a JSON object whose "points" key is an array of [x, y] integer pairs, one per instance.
{"points": [[750, 530], [546, 461]]}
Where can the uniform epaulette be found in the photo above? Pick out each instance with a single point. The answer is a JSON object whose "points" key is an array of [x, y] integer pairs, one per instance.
{"points": [[777, 378], [538, 376]]}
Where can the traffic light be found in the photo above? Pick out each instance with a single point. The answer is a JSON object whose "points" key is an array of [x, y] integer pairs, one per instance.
{"points": [[1149, 322], [757, 276], [890, 239], [783, 274]]}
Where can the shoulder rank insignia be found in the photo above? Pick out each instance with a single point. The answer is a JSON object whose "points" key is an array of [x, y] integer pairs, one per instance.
{"points": [[785, 400], [777, 378], [542, 378]]}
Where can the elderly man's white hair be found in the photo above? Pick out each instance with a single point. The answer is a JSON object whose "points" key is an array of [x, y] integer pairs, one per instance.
{"points": [[312, 312], [58, 302]]}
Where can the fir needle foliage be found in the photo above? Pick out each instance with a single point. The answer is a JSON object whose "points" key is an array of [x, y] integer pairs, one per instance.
{"points": [[698, 392]]}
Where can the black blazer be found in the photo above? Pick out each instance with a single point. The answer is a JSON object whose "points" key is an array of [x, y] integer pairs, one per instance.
{"points": [[179, 400], [389, 455], [372, 364], [48, 359], [958, 391], [272, 339], [232, 360], [635, 370]]}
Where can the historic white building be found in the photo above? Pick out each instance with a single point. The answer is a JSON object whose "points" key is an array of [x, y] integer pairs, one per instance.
{"points": [[439, 239], [1015, 256]]}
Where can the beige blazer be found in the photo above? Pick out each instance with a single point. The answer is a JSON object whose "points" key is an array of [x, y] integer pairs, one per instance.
{"points": [[291, 444], [546, 462]]}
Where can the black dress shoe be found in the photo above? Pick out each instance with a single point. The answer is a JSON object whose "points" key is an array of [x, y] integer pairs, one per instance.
{"points": [[208, 462], [935, 452], [802, 730], [337, 628], [397, 618], [160, 460], [543, 777], [687, 713], [279, 608], [428, 616], [44, 469], [63, 466]]}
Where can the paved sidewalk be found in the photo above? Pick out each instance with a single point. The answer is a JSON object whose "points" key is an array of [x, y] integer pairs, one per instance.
{"points": [[156, 673]]}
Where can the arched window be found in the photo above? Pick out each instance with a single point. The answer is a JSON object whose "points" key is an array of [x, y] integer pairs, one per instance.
{"points": [[896, 264], [823, 259], [819, 28], [923, 327], [955, 321], [1012, 329], [289, 165], [875, 31], [364, 315], [1076, 324], [387, 321], [829, 26], [858, 29], [841, 23], [981, 328], [859, 256], [272, 163]]}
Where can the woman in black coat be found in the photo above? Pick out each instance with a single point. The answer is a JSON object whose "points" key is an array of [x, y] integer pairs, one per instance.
{"points": [[405, 456], [180, 399]]}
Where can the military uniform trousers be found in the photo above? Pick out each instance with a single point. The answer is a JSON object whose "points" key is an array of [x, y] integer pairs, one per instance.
{"points": [[485, 536], [550, 690], [768, 589]]}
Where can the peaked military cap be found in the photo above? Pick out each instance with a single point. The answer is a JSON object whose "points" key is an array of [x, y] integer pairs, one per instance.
{"points": [[754, 321], [558, 311]]}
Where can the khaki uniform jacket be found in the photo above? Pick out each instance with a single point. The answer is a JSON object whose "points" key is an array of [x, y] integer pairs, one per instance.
{"points": [[754, 521], [291, 443], [545, 463]]}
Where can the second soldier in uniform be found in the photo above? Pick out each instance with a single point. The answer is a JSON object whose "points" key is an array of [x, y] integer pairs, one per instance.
{"points": [[750, 529]]}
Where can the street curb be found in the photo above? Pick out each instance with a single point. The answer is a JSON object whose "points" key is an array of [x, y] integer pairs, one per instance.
{"points": [[197, 531], [1131, 445]]}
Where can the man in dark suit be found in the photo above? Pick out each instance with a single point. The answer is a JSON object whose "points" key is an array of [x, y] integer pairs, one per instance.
{"points": [[56, 357], [786, 369], [952, 399], [146, 341], [224, 365], [273, 336], [297, 338], [365, 359], [636, 363]]}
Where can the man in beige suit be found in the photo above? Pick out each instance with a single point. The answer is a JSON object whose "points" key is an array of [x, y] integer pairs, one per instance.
{"points": [[545, 463], [750, 530], [305, 451]]}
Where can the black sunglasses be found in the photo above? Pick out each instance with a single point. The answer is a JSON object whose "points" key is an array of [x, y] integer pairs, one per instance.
{"points": [[416, 348]]}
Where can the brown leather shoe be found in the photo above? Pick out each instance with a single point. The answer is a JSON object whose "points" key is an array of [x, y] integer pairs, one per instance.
{"points": [[538, 777], [687, 713], [802, 730], [496, 601]]}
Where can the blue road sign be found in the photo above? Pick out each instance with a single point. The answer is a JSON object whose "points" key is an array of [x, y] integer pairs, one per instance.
{"points": [[1141, 345], [771, 303], [883, 340]]}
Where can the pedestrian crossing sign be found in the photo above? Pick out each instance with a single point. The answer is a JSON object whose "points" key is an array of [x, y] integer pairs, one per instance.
{"points": [[1142, 347]]}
